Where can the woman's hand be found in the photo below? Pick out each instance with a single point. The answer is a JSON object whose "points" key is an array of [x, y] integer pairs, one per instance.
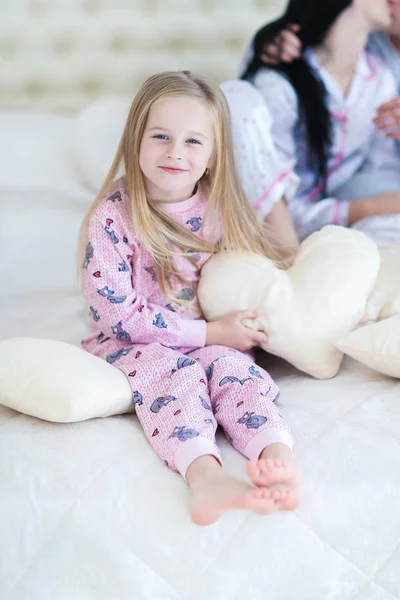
{"points": [[387, 118], [230, 331], [286, 47]]}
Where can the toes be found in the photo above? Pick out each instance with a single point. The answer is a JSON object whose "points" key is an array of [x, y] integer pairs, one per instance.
{"points": [[277, 495], [253, 469], [290, 501], [265, 504], [268, 464], [257, 494]]}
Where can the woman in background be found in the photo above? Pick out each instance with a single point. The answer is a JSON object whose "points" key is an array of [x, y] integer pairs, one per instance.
{"points": [[322, 107]]}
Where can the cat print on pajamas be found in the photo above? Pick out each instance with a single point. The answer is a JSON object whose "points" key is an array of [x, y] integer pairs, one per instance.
{"points": [[101, 338], [232, 379], [88, 255], [112, 358], [193, 255], [159, 403], [266, 395], [186, 294], [122, 267], [195, 224], [183, 362], [252, 421], [253, 371], [105, 292], [115, 197], [152, 272], [159, 321], [210, 369], [183, 433], [122, 336], [205, 404], [137, 398], [94, 313], [113, 236]]}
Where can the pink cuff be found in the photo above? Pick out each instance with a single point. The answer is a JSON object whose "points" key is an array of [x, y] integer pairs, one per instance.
{"points": [[272, 435], [192, 449], [193, 334], [341, 213]]}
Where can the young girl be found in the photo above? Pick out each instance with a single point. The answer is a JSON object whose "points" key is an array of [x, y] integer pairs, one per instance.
{"points": [[146, 238], [322, 107]]}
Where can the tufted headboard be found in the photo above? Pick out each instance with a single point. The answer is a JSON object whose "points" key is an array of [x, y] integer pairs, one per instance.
{"points": [[59, 55]]}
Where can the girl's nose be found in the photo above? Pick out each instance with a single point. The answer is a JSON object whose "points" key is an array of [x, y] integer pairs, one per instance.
{"points": [[174, 153]]}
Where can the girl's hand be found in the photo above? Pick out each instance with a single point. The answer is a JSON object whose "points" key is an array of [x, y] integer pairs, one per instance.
{"points": [[387, 119], [230, 331], [286, 47]]}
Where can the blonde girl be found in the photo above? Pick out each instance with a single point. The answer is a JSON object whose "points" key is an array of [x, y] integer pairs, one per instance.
{"points": [[143, 244]]}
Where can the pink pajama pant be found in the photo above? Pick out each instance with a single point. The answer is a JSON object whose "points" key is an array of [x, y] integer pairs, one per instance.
{"points": [[181, 398]]}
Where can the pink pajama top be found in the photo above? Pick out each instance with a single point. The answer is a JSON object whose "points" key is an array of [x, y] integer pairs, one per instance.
{"points": [[125, 301]]}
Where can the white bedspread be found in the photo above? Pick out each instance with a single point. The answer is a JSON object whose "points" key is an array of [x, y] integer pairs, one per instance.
{"points": [[87, 511]]}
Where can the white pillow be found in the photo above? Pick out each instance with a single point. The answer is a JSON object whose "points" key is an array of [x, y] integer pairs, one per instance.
{"points": [[384, 300], [98, 130], [35, 152], [303, 310], [59, 382], [376, 345]]}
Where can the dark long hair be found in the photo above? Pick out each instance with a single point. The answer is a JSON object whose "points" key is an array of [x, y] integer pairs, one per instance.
{"points": [[314, 17]]}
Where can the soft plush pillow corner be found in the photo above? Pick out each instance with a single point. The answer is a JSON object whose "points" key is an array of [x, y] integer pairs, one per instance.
{"points": [[377, 346], [59, 382]]}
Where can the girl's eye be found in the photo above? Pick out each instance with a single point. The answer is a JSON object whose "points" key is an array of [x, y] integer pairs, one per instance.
{"points": [[193, 141], [160, 136]]}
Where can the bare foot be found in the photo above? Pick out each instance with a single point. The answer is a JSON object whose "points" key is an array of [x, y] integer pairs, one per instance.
{"points": [[217, 493], [278, 475]]}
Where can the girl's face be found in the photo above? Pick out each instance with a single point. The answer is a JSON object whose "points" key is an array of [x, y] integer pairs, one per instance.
{"points": [[376, 13], [176, 148]]}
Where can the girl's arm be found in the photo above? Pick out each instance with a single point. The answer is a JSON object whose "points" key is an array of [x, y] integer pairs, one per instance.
{"points": [[122, 311], [281, 231]]}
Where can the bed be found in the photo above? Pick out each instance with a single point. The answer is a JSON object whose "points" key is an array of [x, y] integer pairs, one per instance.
{"points": [[87, 512]]}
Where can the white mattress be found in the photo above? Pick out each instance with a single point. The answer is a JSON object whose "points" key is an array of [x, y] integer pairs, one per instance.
{"points": [[87, 511]]}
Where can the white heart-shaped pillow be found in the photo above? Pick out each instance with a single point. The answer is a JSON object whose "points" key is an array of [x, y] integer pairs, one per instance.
{"points": [[305, 310]]}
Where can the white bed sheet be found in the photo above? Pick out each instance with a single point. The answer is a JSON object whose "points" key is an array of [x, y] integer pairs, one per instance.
{"points": [[87, 511]]}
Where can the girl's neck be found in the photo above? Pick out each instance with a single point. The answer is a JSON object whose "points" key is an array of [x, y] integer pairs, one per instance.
{"points": [[173, 198], [342, 48]]}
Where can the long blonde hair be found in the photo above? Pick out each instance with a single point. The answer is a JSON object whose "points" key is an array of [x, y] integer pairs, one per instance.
{"points": [[159, 233]]}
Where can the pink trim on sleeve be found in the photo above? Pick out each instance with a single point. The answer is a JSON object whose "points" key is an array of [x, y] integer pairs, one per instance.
{"points": [[193, 334], [271, 187], [336, 213]]}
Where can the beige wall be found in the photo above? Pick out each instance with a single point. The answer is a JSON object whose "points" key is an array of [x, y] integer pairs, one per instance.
{"points": [[60, 54]]}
